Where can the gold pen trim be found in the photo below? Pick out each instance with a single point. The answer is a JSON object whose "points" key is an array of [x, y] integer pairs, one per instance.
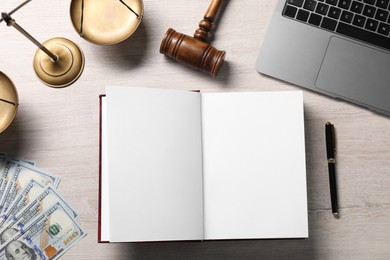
{"points": [[331, 160]]}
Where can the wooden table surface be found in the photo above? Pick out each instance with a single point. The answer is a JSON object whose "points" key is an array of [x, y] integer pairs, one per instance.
{"points": [[59, 129]]}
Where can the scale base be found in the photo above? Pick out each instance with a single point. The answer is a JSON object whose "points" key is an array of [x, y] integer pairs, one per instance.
{"points": [[66, 69]]}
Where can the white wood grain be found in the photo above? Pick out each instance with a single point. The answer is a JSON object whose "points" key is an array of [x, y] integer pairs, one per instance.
{"points": [[59, 129]]}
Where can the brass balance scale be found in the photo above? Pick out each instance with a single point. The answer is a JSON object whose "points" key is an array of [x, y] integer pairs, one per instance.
{"points": [[9, 101], [59, 62], [105, 22]]}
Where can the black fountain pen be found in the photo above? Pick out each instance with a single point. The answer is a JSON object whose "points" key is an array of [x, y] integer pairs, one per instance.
{"points": [[330, 152]]}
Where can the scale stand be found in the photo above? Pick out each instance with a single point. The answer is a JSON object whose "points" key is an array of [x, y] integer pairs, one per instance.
{"points": [[58, 62]]}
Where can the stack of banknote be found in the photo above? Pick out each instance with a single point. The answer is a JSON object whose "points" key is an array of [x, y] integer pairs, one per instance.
{"points": [[35, 220]]}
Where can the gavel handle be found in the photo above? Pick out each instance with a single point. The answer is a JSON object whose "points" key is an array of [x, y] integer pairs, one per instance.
{"points": [[202, 33], [212, 11]]}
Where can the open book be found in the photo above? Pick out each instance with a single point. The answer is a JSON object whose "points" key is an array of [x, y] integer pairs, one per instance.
{"points": [[182, 165]]}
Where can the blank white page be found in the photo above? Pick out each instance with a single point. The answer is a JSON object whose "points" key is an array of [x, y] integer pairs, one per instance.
{"points": [[105, 205], [254, 165], [154, 164]]}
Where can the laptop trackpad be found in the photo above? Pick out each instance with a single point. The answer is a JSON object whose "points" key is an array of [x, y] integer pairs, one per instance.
{"points": [[356, 72]]}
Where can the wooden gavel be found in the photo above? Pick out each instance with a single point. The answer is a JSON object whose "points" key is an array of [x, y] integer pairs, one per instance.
{"points": [[194, 51]]}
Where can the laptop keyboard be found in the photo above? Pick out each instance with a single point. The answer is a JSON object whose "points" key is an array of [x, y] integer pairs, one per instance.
{"points": [[365, 20]]}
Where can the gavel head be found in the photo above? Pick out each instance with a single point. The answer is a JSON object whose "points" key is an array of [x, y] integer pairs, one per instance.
{"points": [[192, 52]]}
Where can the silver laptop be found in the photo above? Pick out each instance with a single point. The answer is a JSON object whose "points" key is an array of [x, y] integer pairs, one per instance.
{"points": [[340, 48]]}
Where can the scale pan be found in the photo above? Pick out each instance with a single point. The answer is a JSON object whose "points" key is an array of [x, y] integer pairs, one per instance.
{"points": [[8, 101], [106, 22]]}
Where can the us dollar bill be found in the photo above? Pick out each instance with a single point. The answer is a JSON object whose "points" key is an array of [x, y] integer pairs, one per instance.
{"points": [[7, 169], [23, 174], [43, 202], [6, 175], [28, 194], [3, 158], [3, 161], [47, 237]]}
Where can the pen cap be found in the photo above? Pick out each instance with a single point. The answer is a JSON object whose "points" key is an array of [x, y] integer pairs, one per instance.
{"points": [[330, 140], [8, 101]]}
